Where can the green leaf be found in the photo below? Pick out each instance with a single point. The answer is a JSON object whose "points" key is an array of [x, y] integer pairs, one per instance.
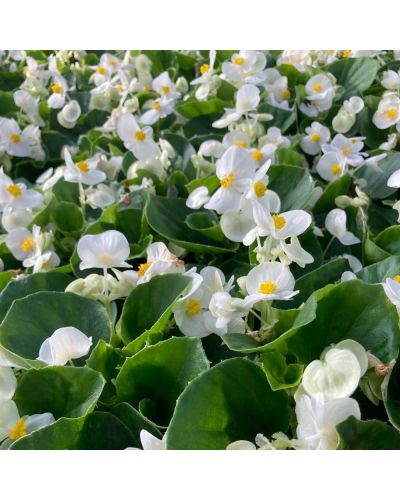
{"points": [[282, 118], [281, 375], [96, 431], [391, 396], [378, 272], [205, 223], [68, 217], [286, 156], [294, 185], [336, 188], [64, 391], [26, 285], [354, 74], [193, 108], [231, 401], [31, 320], [149, 306], [376, 178], [367, 435], [167, 216], [160, 373], [389, 240]]}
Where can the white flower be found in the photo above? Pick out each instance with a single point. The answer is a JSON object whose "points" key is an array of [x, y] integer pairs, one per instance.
{"points": [[12, 219], [317, 135], [391, 80], [335, 223], [317, 420], [150, 442], [394, 180], [227, 313], [100, 197], [247, 99], [139, 141], [164, 86], [392, 289], [300, 59], [84, 171], [269, 281], [23, 243], [17, 196], [12, 140], [105, 250], [331, 166], [281, 226], [69, 115], [197, 198], [29, 106], [42, 261], [13, 427], [8, 383], [388, 112], [348, 148], [58, 89], [64, 345], [207, 80], [338, 372], [235, 170], [159, 261], [157, 109], [245, 67]]}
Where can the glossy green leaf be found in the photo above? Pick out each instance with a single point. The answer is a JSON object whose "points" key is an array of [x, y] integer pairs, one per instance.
{"points": [[367, 435], [354, 74], [229, 402], [31, 320], [380, 271], [160, 373], [294, 185]]}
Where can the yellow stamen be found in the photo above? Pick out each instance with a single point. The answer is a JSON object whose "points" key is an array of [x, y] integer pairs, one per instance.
{"points": [[279, 221], [27, 244], [204, 68], [56, 88], [146, 87], [83, 166], [19, 430], [346, 151], [193, 307], [46, 264], [120, 88], [101, 70], [267, 287], [14, 189], [140, 135], [315, 137], [228, 180], [143, 268], [25, 71], [346, 53], [286, 94], [15, 138], [257, 155], [165, 89], [156, 106], [240, 143], [336, 169], [397, 278], [111, 61], [316, 87], [391, 114], [238, 60], [259, 189]]}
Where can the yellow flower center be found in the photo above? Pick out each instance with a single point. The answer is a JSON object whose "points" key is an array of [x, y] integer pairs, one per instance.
{"points": [[240, 143], [120, 88], [14, 189], [111, 61], [279, 221], [204, 68], [228, 180], [336, 169], [19, 430], [286, 94], [391, 114], [316, 87], [83, 166], [56, 88], [238, 61], [156, 106], [101, 70], [46, 264], [259, 189], [165, 89], [346, 151], [346, 53], [140, 135], [25, 71], [397, 278], [257, 155], [193, 307], [315, 137], [143, 268], [267, 287], [15, 138], [146, 87], [27, 244], [106, 259]]}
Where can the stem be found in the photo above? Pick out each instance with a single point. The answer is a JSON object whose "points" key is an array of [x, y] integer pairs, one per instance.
{"points": [[327, 247], [82, 199]]}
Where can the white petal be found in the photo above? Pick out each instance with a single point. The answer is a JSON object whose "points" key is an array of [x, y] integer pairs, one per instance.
{"points": [[64, 345]]}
